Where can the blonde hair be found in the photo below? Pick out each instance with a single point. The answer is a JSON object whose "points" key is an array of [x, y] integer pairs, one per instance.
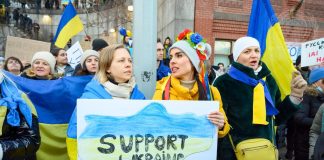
{"points": [[105, 60], [31, 73]]}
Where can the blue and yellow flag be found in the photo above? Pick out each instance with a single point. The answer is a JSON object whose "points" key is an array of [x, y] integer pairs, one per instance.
{"points": [[264, 26], [69, 26], [54, 101]]}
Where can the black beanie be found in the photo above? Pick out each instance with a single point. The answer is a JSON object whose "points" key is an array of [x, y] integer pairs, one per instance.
{"points": [[99, 44]]}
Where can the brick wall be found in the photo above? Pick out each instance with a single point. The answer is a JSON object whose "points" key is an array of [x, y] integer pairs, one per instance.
{"points": [[203, 22], [228, 19]]}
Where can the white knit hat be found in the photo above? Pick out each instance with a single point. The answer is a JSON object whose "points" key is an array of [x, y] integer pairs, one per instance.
{"points": [[208, 50], [243, 43], [87, 54], [189, 51], [46, 56]]}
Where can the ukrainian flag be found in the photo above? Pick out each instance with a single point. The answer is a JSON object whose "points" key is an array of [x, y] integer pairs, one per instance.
{"points": [[69, 26], [264, 26], [54, 101]]}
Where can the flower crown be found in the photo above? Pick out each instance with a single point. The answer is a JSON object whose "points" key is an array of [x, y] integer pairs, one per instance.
{"points": [[196, 41]]}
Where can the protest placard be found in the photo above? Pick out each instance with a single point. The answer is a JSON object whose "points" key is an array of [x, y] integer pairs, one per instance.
{"points": [[312, 52], [143, 129], [23, 48], [294, 50], [74, 54]]}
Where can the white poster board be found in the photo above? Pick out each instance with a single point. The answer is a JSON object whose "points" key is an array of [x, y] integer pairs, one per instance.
{"points": [[294, 49], [312, 52], [74, 54], [145, 129]]}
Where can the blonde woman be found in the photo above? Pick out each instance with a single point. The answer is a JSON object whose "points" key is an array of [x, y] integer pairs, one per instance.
{"points": [[114, 80]]}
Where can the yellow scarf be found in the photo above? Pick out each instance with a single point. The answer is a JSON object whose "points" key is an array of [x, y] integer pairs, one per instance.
{"points": [[259, 105]]}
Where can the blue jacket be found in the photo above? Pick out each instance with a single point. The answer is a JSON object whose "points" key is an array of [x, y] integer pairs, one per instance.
{"points": [[162, 71]]}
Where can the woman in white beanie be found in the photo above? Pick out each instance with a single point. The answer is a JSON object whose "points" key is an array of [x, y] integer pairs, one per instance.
{"points": [[89, 63], [187, 79], [42, 67], [251, 98]]}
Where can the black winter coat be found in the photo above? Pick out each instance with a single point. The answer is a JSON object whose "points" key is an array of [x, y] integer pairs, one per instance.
{"points": [[303, 121], [20, 143]]}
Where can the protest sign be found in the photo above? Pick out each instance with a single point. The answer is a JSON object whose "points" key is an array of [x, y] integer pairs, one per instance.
{"points": [[294, 50], [143, 129], [312, 52], [23, 48], [74, 54]]}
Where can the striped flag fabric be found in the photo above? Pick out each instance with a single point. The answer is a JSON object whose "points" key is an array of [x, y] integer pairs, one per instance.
{"points": [[69, 26], [265, 27]]}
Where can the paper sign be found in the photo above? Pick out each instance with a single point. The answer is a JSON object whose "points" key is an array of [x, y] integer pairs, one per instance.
{"points": [[294, 50], [24, 49], [312, 52], [74, 54], [144, 129]]}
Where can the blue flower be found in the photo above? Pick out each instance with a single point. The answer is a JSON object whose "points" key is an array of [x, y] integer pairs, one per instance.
{"points": [[196, 38]]}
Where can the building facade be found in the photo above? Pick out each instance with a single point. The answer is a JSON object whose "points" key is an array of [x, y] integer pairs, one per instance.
{"points": [[221, 22]]}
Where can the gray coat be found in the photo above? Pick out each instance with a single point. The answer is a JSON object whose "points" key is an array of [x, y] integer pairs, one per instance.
{"points": [[315, 130]]}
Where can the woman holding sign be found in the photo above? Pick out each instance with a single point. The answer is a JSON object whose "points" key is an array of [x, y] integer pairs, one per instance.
{"points": [[189, 79], [114, 80]]}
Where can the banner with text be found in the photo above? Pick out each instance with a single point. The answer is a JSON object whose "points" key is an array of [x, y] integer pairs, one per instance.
{"points": [[145, 129], [312, 52]]}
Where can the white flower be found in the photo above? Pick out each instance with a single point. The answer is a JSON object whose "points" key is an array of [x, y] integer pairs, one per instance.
{"points": [[201, 46]]}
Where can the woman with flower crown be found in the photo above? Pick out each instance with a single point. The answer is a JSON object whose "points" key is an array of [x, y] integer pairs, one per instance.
{"points": [[188, 79]]}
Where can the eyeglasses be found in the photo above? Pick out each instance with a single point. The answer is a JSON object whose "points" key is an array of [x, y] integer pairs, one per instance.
{"points": [[160, 49]]}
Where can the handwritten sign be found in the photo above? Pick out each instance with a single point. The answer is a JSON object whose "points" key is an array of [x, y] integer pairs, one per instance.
{"points": [[74, 54], [312, 52], [143, 129]]}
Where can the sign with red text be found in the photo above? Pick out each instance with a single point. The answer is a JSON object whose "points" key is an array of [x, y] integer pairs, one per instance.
{"points": [[143, 129], [312, 52]]}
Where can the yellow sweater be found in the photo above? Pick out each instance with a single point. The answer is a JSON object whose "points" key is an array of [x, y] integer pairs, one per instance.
{"points": [[178, 92]]}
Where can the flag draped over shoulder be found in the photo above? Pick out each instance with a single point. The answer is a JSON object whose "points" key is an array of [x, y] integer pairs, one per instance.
{"points": [[54, 101], [264, 26], [70, 25]]}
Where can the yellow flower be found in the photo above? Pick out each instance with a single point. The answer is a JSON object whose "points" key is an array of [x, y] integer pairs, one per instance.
{"points": [[188, 35]]}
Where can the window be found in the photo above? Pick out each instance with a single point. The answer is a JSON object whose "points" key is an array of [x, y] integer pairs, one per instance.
{"points": [[223, 47]]}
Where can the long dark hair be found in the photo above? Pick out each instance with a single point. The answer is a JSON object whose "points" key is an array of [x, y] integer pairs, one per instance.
{"points": [[84, 71], [201, 91]]}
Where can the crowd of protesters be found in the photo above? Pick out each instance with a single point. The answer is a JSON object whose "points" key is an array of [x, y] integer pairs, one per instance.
{"points": [[180, 76]]}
